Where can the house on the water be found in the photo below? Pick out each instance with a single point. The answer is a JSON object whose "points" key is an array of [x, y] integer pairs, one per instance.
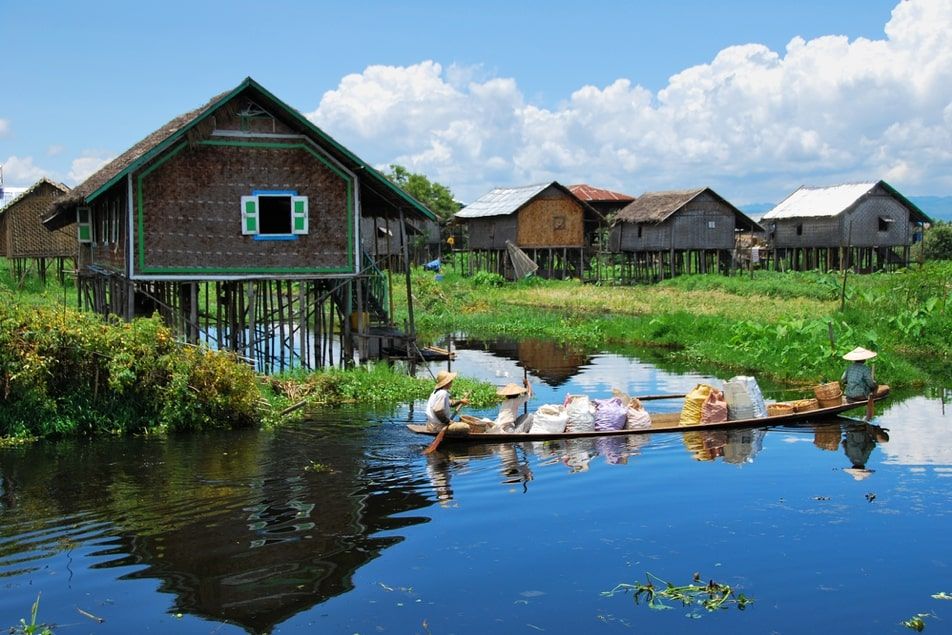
{"points": [[240, 223], [867, 226], [25, 242], [663, 234], [546, 221]]}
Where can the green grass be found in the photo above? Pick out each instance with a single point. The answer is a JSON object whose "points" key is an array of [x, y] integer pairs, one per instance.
{"points": [[776, 325]]}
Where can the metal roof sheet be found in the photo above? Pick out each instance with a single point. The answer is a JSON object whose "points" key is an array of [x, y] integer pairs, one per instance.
{"points": [[592, 194], [502, 201], [819, 201]]}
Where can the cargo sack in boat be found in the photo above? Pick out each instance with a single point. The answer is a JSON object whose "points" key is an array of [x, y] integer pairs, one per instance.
{"points": [[610, 414], [637, 417], [714, 409], [549, 419], [744, 399], [580, 413], [693, 401]]}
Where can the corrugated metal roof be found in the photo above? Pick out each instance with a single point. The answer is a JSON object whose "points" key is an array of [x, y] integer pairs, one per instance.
{"points": [[819, 201], [591, 194], [502, 201]]}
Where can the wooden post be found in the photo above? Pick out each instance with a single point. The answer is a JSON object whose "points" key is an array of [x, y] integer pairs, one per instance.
{"points": [[411, 329]]}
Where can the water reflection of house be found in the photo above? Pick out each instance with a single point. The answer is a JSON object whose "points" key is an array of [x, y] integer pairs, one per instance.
{"points": [[234, 527], [550, 361], [258, 566]]}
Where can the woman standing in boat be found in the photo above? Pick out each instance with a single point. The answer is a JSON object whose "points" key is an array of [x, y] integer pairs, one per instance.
{"points": [[858, 382], [439, 407]]}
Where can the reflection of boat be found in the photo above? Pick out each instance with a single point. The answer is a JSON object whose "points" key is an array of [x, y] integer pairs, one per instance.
{"points": [[664, 422]]}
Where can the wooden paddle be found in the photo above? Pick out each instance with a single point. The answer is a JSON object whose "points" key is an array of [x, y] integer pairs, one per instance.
{"points": [[439, 435]]}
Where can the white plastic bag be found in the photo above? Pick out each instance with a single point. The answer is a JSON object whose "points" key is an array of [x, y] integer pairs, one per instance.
{"points": [[549, 419], [581, 414]]}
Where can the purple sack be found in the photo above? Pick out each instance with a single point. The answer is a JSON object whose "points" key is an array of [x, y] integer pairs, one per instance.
{"points": [[610, 414]]}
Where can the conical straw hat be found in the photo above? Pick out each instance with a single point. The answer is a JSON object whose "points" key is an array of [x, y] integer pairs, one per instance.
{"points": [[444, 378], [510, 390], [859, 354]]}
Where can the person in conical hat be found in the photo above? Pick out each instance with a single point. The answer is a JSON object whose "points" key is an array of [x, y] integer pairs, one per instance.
{"points": [[858, 382], [439, 407], [514, 397]]}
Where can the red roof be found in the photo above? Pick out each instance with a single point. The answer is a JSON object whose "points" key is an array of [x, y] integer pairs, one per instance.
{"points": [[596, 194]]}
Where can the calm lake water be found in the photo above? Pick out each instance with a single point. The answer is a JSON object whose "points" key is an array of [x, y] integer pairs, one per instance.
{"points": [[341, 526]]}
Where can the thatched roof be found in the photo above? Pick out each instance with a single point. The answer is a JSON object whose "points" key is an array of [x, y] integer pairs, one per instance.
{"points": [[191, 123], [833, 200], [657, 207], [26, 192]]}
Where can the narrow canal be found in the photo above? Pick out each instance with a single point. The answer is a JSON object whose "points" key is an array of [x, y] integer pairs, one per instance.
{"points": [[340, 525]]}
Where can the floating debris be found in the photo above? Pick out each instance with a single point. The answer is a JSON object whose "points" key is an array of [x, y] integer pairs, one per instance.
{"points": [[711, 596]]}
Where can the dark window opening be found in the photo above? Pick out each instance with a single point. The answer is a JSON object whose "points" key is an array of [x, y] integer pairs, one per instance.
{"points": [[274, 214], [800, 229], [639, 231], [884, 224]]}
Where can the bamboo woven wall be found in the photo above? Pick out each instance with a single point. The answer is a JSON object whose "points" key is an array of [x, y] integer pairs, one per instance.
{"points": [[109, 228], [26, 237], [192, 210], [552, 219]]}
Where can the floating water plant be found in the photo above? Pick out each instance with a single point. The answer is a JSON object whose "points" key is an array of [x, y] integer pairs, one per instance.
{"points": [[655, 592], [916, 623]]}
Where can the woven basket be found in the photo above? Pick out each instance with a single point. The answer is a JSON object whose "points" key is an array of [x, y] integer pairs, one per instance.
{"points": [[831, 390], [829, 403], [776, 409], [805, 405], [476, 426]]}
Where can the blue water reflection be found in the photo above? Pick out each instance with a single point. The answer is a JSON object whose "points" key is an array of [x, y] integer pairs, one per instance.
{"points": [[341, 525]]}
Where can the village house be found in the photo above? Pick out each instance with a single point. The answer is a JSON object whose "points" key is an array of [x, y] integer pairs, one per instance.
{"points": [[546, 221], [664, 234], [867, 226], [23, 239], [240, 223]]}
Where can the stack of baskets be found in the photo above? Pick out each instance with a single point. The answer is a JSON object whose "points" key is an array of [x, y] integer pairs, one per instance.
{"points": [[780, 408], [805, 405], [829, 394]]}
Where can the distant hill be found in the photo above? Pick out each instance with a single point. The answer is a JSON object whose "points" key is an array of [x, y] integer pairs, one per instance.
{"points": [[935, 207]]}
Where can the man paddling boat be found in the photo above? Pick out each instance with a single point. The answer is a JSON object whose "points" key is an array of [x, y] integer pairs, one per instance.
{"points": [[439, 407]]}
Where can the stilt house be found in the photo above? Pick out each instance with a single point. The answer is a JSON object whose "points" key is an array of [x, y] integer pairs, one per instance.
{"points": [[240, 223], [549, 223], [868, 226], [23, 239], [663, 234]]}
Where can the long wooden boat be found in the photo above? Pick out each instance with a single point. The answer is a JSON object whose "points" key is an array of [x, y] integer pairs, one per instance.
{"points": [[660, 422]]}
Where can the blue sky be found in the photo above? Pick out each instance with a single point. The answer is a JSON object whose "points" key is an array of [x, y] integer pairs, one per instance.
{"points": [[633, 96]]}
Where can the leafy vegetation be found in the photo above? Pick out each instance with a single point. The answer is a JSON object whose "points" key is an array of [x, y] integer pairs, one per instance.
{"points": [[436, 197], [66, 372], [711, 597], [937, 242], [784, 326], [32, 628]]}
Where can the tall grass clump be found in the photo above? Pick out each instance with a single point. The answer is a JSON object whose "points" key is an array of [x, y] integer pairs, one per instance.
{"points": [[64, 372]]}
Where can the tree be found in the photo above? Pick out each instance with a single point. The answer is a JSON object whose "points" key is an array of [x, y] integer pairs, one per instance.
{"points": [[438, 198], [937, 243]]}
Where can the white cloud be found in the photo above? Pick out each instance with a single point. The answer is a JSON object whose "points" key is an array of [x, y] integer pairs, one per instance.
{"points": [[20, 171], [4, 127], [88, 163], [55, 150], [752, 121]]}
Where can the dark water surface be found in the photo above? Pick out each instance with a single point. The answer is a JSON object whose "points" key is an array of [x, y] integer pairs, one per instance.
{"points": [[341, 526]]}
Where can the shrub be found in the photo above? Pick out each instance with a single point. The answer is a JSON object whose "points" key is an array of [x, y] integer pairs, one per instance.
{"points": [[937, 242]]}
